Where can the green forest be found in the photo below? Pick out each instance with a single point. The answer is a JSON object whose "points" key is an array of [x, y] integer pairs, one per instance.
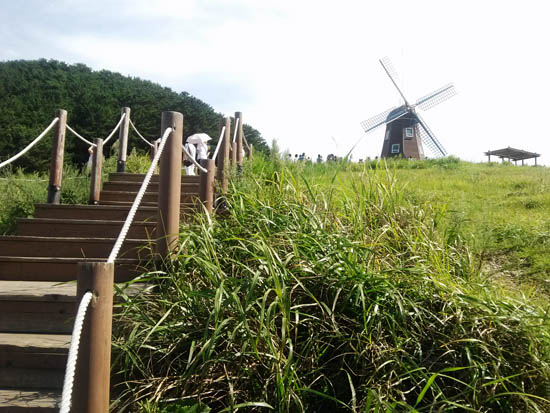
{"points": [[31, 92]]}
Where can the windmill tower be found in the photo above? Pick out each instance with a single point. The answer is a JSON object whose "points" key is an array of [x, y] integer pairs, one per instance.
{"points": [[405, 129]]}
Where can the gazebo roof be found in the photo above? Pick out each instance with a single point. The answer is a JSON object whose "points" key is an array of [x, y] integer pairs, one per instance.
{"points": [[512, 153]]}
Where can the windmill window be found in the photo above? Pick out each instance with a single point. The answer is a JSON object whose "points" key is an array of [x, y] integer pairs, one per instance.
{"points": [[409, 132], [395, 148]]}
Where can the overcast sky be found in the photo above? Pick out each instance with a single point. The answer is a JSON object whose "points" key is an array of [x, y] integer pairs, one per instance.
{"points": [[306, 72]]}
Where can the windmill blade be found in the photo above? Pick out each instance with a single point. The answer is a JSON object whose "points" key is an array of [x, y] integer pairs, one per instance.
{"points": [[429, 139], [436, 97], [383, 118], [392, 74]]}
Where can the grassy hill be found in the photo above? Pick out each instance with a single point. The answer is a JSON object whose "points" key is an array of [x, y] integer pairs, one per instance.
{"points": [[500, 210], [407, 286], [31, 91]]}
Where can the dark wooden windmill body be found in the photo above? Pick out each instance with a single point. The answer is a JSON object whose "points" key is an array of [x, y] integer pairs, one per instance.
{"points": [[402, 139], [406, 131]]}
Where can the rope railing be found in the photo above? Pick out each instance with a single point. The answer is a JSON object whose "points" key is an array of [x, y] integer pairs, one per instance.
{"points": [[246, 142], [137, 201], [198, 165], [114, 130], [30, 145], [75, 133], [66, 395], [236, 129], [139, 134], [219, 143], [87, 277], [83, 139]]}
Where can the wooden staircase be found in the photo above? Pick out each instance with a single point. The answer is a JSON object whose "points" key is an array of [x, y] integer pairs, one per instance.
{"points": [[36, 311]]}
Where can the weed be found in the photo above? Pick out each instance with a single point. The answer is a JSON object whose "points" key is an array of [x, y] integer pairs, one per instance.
{"points": [[315, 295]]}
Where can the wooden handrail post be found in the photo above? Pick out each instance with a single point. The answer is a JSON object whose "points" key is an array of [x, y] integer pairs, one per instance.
{"points": [[223, 155], [153, 150], [91, 387], [234, 154], [239, 115], [250, 151], [95, 173], [56, 164], [206, 188], [168, 222], [123, 140]]}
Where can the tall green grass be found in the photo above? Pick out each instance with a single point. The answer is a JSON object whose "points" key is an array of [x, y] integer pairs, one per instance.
{"points": [[310, 295], [20, 191], [502, 211]]}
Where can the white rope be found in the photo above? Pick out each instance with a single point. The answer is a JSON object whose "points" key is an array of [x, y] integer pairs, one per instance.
{"points": [[30, 145], [114, 130], [246, 142], [80, 137], [198, 165], [66, 395], [219, 143], [236, 129], [137, 201], [139, 134]]}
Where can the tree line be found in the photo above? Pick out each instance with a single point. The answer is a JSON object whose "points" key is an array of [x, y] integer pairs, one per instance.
{"points": [[31, 91]]}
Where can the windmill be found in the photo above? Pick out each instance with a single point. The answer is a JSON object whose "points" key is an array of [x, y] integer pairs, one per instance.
{"points": [[405, 129]]}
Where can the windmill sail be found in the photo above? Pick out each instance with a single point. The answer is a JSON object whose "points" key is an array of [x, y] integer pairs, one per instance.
{"points": [[429, 139], [384, 118], [390, 71], [436, 97]]}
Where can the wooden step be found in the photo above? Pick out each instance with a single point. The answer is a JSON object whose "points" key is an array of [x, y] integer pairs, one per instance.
{"points": [[37, 307], [186, 187], [26, 268], [148, 197], [74, 247], [185, 207], [50, 227], [123, 176], [127, 204], [33, 360], [107, 212], [29, 400], [42, 307]]}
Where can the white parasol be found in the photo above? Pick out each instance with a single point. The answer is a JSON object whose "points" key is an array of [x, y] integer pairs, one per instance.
{"points": [[198, 138]]}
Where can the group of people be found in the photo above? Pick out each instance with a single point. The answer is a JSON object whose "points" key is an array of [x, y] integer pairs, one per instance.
{"points": [[298, 157], [330, 158], [194, 151], [302, 157]]}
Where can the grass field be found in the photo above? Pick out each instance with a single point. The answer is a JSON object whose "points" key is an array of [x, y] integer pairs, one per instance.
{"points": [[502, 212], [344, 287]]}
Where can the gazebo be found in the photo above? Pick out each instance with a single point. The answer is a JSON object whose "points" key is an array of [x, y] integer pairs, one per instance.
{"points": [[513, 155]]}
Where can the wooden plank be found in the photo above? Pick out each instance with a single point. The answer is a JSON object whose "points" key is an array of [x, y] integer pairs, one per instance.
{"points": [[58, 268], [72, 247], [34, 343], [139, 177], [29, 401], [37, 291], [51, 227]]}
